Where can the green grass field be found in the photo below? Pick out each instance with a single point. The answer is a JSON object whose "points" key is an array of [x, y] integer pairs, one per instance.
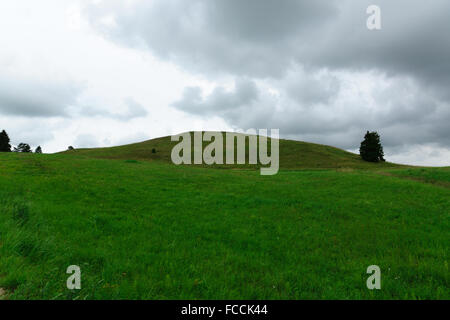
{"points": [[142, 228]]}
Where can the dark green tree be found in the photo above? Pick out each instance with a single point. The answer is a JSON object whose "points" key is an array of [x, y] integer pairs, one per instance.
{"points": [[38, 150], [371, 149], [23, 147], [4, 142]]}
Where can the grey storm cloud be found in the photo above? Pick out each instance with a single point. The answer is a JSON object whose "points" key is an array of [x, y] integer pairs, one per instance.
{"points": [[264, 37], [220, 101], [37, 98], [32, 98], [402, 117], [307, 51], [250, 37], [310, 88]]}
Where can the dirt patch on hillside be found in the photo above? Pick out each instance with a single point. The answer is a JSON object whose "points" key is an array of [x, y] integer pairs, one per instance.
{"points": [[2, 293]]}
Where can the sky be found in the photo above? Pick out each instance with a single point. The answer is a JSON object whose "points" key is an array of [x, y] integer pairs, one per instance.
{"points": [[88, 73]]}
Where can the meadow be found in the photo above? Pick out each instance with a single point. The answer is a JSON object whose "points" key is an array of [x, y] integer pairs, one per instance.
{"points": [[142, 228]]}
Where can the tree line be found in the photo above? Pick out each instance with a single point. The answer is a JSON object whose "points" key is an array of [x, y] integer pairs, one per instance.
{"points": [[5, 145]]}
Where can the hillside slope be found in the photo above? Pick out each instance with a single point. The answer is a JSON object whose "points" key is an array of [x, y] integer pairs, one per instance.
{"points": [[152, 230], [293, 155]]}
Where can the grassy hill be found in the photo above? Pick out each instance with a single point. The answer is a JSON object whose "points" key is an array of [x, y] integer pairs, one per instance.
{"points": [[293, 154], [143, 229]]}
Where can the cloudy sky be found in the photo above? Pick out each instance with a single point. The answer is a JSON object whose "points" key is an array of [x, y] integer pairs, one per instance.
{"points": [[100, 73]]}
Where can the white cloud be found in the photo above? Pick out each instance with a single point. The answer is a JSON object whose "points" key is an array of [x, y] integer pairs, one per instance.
{"points": [[53, 64]]}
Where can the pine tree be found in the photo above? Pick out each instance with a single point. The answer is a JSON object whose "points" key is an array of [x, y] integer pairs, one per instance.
{"points": [[371, 149], [38, 150], [4, 142]]}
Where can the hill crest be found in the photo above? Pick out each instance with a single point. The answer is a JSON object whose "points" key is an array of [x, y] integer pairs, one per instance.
{"points": [[293, 154]]}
